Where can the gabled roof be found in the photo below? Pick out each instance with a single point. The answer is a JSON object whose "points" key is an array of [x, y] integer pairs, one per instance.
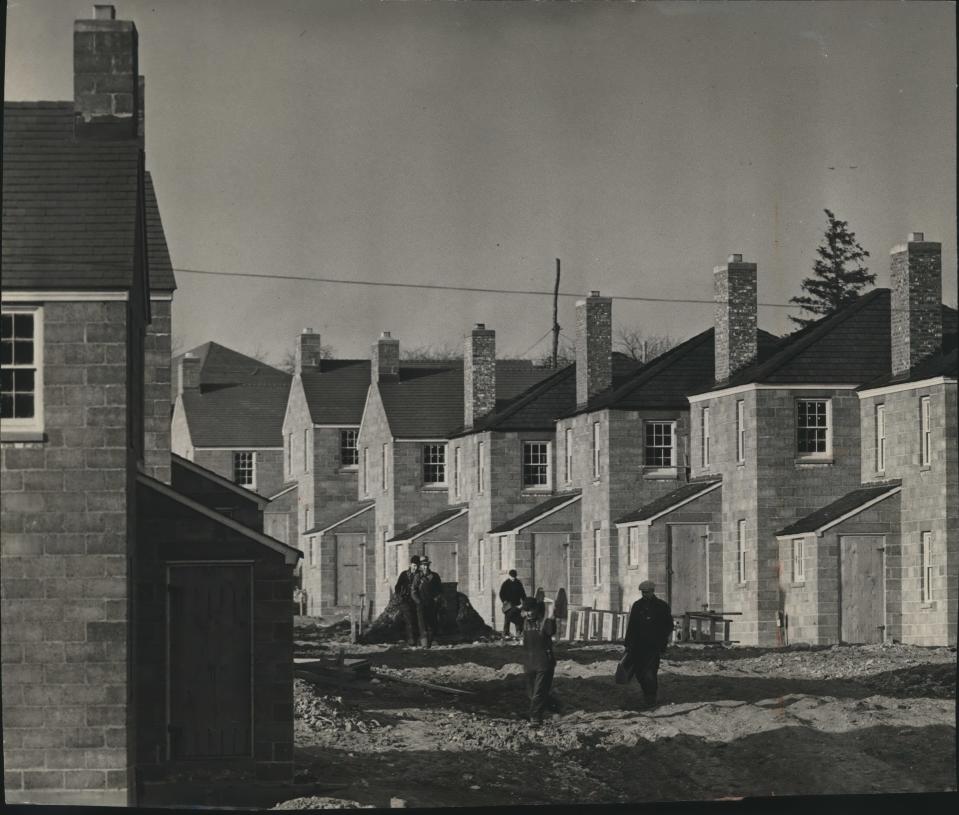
{"points": [[336, 391], [537, 513], [216, 478], [852, 503], [429, 524], [158, 255], [221, 366], [671, 501]]}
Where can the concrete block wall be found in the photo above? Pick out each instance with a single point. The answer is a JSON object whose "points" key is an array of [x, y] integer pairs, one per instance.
{"points": [[64, 554], [319, 570], [156, 391], [280, 519], [269, 466]]}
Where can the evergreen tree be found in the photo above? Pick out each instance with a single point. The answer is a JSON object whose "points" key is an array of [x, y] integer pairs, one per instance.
{"points": [[839, 273]]}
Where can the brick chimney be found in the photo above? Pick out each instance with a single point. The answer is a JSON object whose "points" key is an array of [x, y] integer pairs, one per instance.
{"points": [[385, 359], [105, 78], [479, 374], [594, 346], [916, 304], [308, 349], [188, 373], [734, 293]]}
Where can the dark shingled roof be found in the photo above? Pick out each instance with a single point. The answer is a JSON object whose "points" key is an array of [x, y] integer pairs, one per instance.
{"points": [[70, 206], [336, 393], [668, 501], [552, 503], [943, 363], [434, 520], [848, 503], [222, 367]]}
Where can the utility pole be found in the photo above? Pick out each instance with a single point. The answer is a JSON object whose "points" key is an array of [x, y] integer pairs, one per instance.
{"points": [[555, 317]]}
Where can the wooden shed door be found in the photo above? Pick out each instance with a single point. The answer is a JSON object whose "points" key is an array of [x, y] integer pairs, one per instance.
{"points": [[688, 572], [550, 573], [210, 631], [862, 588], [442, 555], [349, 567]]}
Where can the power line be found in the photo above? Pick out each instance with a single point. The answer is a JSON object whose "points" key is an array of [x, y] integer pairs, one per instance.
{"points": [[548, 332]]}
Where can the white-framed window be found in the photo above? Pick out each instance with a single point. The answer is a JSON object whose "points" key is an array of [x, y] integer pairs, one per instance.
{"points": [[349, 453], [597, 557], [434, 464], [632, 546], [597, 446], [21, 368], [481, 466], [386, 466], [741, 551], [740, 431], [244, 468], [926, 564], [880, 438], [306, 449], [799, 561], [536, 465], [660, 444], [925, 432], [705, 427], [313, 551], [306, 519], [457, 471], [482, 563], [568, 441], [366, 471], [814, 428]]}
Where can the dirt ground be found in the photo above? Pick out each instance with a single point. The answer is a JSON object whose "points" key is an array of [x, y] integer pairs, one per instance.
{"points": [[733, 722]]}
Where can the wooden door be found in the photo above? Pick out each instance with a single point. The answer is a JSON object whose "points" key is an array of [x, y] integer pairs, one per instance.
{"points": [[349, 567], [550, 569], [862, 588], [209, 711], [442, 555], [688, 588]]}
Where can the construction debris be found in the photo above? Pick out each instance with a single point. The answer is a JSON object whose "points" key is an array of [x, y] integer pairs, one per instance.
{"points": [[395, 677], [462, 624], [315, 802]]}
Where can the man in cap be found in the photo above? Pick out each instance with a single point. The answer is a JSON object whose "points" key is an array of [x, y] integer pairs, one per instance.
{"points": [[404, 593], [647, 635], [511, 595], [427, 590]]}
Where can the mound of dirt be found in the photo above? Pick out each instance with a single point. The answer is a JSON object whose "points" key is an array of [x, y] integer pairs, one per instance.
{"points": [[319, 802], [464, 623]]}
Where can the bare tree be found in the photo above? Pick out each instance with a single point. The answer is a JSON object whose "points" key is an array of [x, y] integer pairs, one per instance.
{"points": [[642, 347], [430, 353], [565, 355], [288, 360]]}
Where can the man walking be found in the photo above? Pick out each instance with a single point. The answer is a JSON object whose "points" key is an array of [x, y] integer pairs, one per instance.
{"points": [[404, 593], [539, 661], [512, 594], [647, 635], [427, 590]]}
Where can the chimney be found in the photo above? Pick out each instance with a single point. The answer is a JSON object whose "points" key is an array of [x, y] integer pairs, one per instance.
{"points": [[105, 78], [308, 349], [188, 373], [479, 374], [594, 346], [734, 293], [385, 359], [916, 304]]}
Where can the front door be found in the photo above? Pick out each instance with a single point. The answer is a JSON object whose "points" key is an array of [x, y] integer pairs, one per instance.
{"points": [[350, 547], [862, 588], [209, 617], [550, 571], [688, 571]]}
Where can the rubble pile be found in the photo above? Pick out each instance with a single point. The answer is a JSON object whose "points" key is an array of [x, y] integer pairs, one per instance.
{"points": [[464, 623], [324, 713], [320, 802]]}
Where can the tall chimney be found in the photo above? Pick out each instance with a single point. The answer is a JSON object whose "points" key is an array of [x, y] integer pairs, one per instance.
{"points": [[308, 349], [916, 305], [594, 346], [479, 374], [105, 76], [734, 287], [385, 359], [188, 373]]}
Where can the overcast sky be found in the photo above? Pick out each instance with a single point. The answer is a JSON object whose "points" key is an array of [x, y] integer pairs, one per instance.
{"points": [[473, 143]]}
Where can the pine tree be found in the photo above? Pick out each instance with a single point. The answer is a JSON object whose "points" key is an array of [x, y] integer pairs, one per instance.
{"points": [[835, 284]]}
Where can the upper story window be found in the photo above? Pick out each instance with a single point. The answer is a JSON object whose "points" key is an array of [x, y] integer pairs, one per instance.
{"points": [[814, 428], [349, 452], [660, 446], [799, 563], [705, 427], [740, 431], [568, 449], [481, 466], [596, 450], [925, 433], [244, 468], [536, 465], [21, 352], [457, 471], [434, 464], [880, 438]]}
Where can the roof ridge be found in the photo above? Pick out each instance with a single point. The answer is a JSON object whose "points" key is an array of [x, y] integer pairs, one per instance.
{"points": [[524, 398]]}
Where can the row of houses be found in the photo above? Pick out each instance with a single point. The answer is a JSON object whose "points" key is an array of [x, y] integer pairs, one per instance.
{"points": [[807, 484]]}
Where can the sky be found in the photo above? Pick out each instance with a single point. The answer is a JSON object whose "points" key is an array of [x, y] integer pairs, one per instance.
{"points": [[471, 144]]}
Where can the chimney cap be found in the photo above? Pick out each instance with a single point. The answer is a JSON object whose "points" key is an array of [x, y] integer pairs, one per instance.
{"points": [[735, 258], [479, 327], [594, 293], [916, 237], [307, 331], [190, 355], [104, 12], [385, 335]]}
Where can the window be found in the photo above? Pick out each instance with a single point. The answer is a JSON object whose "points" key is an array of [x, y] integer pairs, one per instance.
{"points": [[813, 431], [480, 466], [482, 563], [366, 471], [925, 438], [740, 431], [457, 471], [536, 464], [880, 438], [705, 425], [568, 436], [306, 450], [434, 464], [926, 563], [244, 468], [349, 454], [799, 567], [306, 519], [660, 444], [632, 547], [313, 551], [741, 551], [503, 550], [597, 557], [596, 450], [21, 351], [386, 466]]}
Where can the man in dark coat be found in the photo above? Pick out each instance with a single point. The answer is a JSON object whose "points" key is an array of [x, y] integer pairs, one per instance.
{"points": [[539, 661], [647, 636], [427, 590], [512, 594], [404, 593]]}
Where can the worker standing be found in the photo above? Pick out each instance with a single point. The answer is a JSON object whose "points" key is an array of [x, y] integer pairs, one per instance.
{"points": [[647, 636], [512, 594], [427, 589], [404, 593], [538, 658]]}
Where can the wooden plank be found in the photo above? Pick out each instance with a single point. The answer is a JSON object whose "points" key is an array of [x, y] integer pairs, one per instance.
{"points": [[419, 683]]}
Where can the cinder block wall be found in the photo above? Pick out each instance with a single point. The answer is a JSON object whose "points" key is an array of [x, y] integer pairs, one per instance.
{"points": [[64, 573], [269, 466], [156, 391]]}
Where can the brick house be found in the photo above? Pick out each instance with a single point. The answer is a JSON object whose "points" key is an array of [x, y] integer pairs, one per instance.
{"points": [[228, 415]]}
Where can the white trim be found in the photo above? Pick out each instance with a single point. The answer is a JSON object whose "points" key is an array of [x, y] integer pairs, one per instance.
{"points": [[649, 521], [284, 491], [908, 386], [355, 427], [221, 480], [161, 297], [852, 513], [423, 440], [445, 521], [326, 529], [236, 449], [291, 555], [35, 424], [62, 296], [538, 518], [762, 386]]}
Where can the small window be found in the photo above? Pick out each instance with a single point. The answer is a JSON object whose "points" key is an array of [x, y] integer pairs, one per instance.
{"points": [[597, 557], [568, 437], [21, 370], [306, 519], [705, 426], [660, 444], [481, 466], [926, 563], [740, 431], [457, 471], [880, 438], [386, 467], [597, 439], [536, 465], [366, 471], [313, 551], [925, 432], [799, 568], [632, 548], [741, 551], [482, 563], [813, 429], [244, 468], [434, 464], [349, 454]]}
